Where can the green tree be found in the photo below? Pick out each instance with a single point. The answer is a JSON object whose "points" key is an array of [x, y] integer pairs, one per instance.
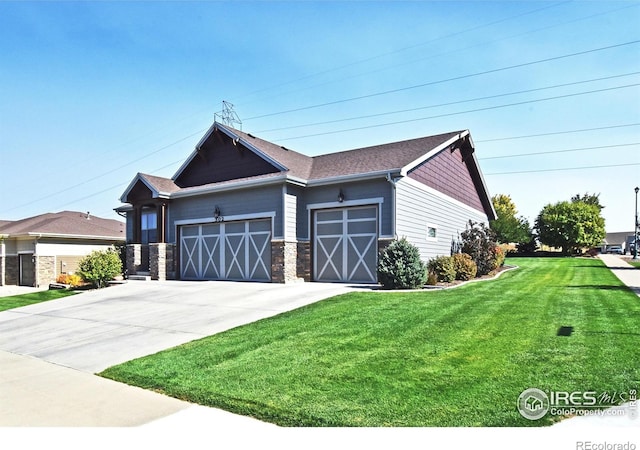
{"points": [[571, 226], [100, 266], [507, 227], [589, 199]]}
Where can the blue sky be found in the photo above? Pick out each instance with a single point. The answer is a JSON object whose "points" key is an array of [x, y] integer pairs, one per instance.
{"points": [[93, 92]]}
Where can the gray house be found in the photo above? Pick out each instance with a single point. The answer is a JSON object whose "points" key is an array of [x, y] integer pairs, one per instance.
{"points": [[242, 208]]}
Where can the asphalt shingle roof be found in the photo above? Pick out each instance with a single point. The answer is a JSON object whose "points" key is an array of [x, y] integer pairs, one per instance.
{"points": [[70, 223], [392, 156]]}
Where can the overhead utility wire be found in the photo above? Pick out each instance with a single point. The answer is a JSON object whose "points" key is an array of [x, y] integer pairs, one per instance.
{"points": [[488, 108], [563, 169], [382, 55], [103, 174], [553, 133], [448, 103], [580, 149], [479, 44], [446, 80]]}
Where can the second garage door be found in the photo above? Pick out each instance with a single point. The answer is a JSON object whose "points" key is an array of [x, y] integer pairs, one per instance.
{"points": [[226, 251], [346, 244]]}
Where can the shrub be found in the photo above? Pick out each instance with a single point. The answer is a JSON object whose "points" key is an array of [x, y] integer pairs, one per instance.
{"points": [[72, 280], [464, 266], [400, 266], [432, 279], [99, 267], [498, 258], [479, 242], [443, 268]]}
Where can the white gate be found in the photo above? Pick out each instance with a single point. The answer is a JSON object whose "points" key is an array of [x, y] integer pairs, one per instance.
{"points": [[226, 251], [346, 245]]}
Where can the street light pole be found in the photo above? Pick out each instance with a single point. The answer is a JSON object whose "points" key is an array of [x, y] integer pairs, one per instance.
{"points": [[635, 228]]}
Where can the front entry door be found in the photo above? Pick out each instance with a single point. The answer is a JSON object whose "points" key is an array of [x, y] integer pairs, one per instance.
{"points": [[27, 270]]}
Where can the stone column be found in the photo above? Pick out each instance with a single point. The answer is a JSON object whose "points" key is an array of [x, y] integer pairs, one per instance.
{"points": [[2, 263], [158, 261], [134, 258], [284, 255], [303, 261], [45, 270]]}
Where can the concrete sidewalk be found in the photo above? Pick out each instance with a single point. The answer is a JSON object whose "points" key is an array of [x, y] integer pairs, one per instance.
{"points": [[36, 393], [628, 274]]}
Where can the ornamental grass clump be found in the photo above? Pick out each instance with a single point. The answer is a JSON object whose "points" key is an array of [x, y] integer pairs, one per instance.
{"points": [[400, 266]]}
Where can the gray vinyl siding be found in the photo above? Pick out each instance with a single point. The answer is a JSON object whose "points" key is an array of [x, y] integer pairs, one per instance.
{"points": [[244, 201], [417, 208], [352, 191]]}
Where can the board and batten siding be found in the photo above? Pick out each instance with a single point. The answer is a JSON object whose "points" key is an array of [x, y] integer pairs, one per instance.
{"points": [[419, 207], [232, 203], [290, 216]]}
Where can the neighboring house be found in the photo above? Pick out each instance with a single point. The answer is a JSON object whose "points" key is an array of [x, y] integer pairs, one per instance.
{"points": [[34, 251], [621, 239], [242, 208]]}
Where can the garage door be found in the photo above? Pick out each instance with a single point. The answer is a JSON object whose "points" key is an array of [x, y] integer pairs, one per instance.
{"points": [[226, 251], [345, 245]]}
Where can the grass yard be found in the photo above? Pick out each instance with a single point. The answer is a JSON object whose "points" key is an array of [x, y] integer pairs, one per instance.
{"points": [[634, 263], [459, 357], [16, 301]]}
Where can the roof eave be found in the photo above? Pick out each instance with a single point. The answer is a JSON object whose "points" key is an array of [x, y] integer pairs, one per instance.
{"points": [[353, 177], [229, 186], [431, 153]]}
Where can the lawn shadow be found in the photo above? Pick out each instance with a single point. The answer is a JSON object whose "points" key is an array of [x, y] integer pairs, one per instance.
{"points": [[569, 330]]}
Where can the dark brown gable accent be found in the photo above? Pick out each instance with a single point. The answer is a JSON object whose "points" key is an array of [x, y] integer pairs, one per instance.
{"points": [[138, 193], [222, 159], [447, 173]]}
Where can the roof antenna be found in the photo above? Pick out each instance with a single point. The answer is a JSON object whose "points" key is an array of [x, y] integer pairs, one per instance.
{"points": [[228, 116]]}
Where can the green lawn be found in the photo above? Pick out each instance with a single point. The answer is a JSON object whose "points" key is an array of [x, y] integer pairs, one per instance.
{"points": [[16, 301], [634, 263], [458, 357]]}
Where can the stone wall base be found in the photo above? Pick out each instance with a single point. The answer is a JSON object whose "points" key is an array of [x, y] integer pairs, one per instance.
{"points": [[45, 270]]}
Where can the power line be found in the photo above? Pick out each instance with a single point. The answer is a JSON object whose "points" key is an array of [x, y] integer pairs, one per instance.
{"points": [[553, 133], [563, 169], [104, 174], [560, 151], [446, 80], [448, 103], [479, 44], [382, 55], [460, 112]]}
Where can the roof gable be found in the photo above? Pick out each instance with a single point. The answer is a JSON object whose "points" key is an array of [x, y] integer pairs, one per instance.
{"points": [[222, 155], [453, 170]]}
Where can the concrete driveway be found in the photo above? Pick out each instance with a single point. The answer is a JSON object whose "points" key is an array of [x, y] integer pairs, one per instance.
{"points": [[98, 329]]}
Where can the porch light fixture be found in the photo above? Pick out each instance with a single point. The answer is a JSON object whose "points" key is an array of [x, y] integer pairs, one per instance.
{"points": [[217, 214], [340, 196]]}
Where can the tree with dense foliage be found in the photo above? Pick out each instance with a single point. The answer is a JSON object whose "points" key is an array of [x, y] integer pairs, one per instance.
{"points": [[572, 225], [100, 266], [507, 227], [589, 199]]}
